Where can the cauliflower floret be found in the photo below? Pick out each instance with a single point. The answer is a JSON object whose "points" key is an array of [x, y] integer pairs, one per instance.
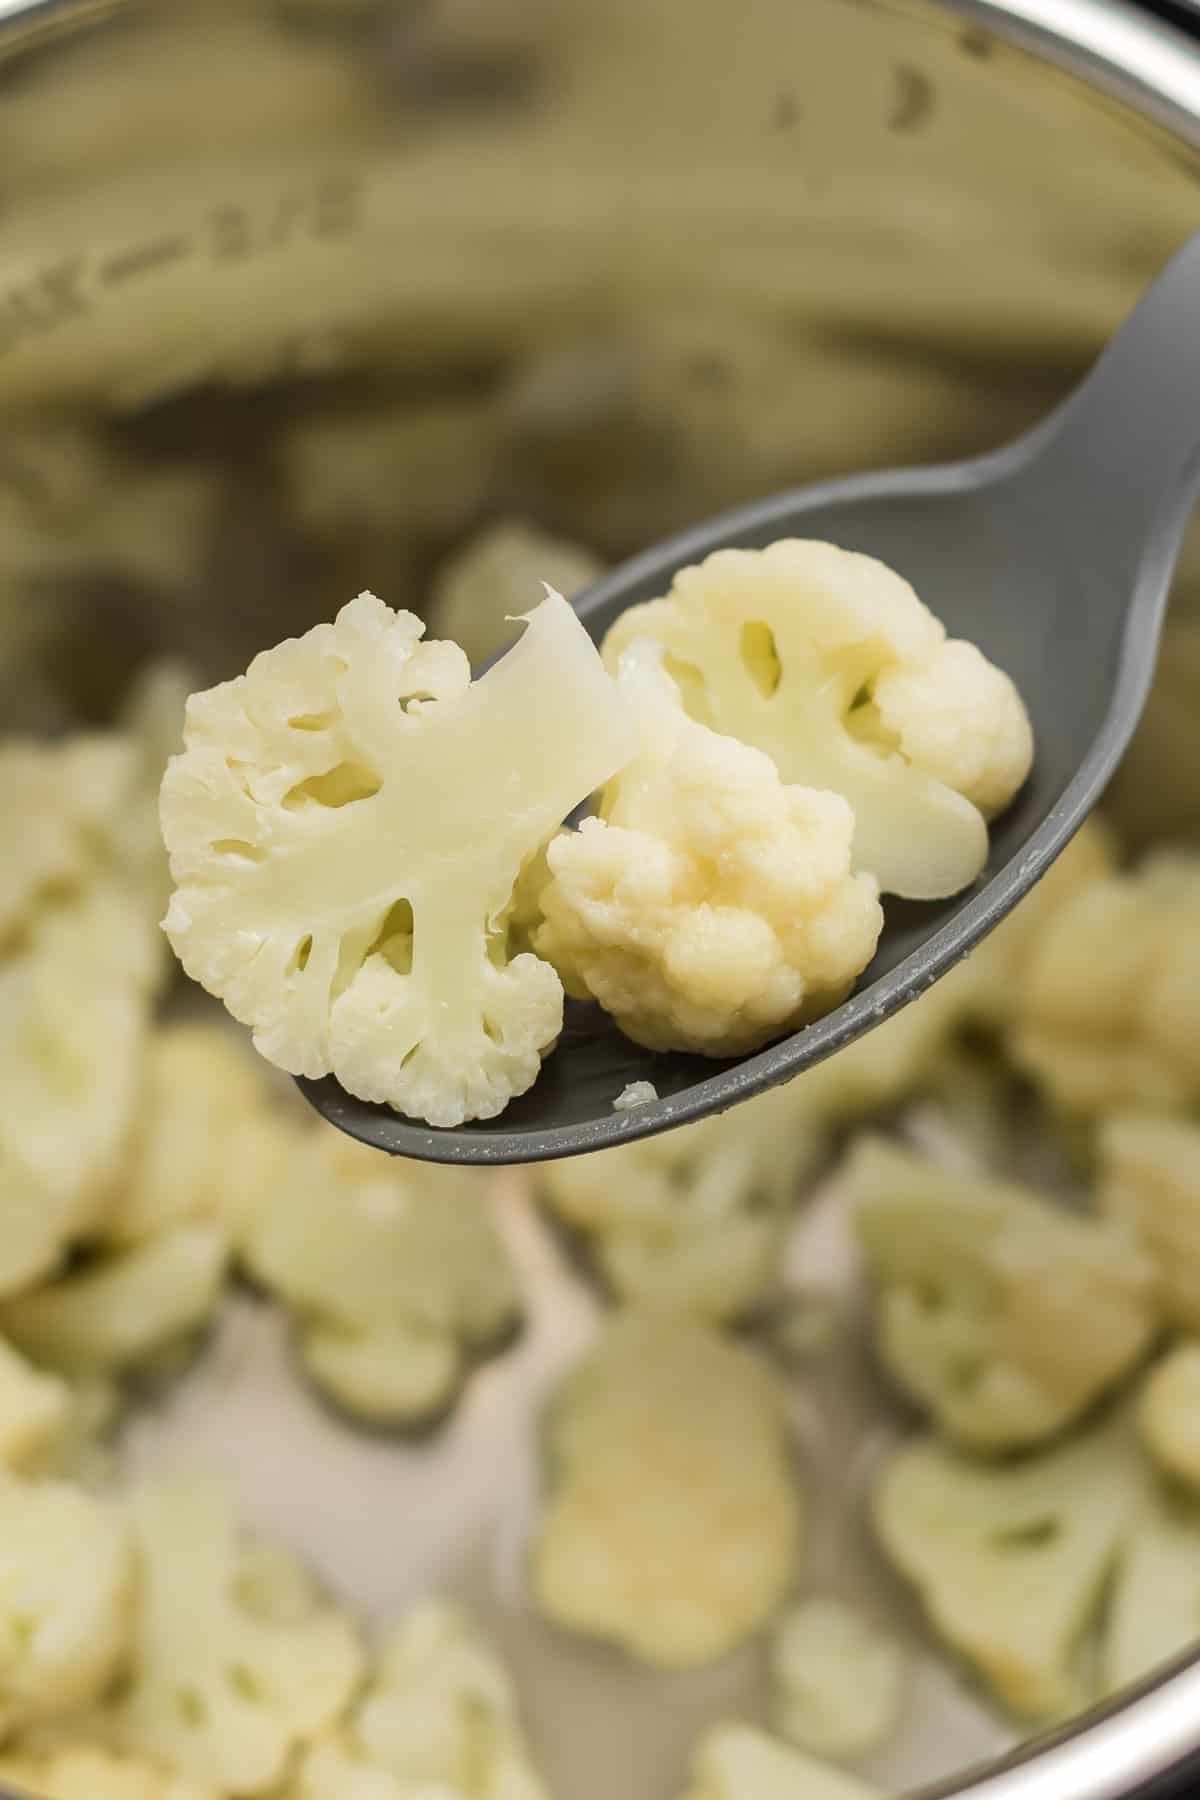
{"points": [[737, 1762], [1004, 1315], [694, 1220], [394, 1270], [66, 1590], [836, 1679], [205, 1134], [1169, 1415], [1111, 993], [479, 588], [346, 826], [673, 1522], [1154, 1609], [35, 1412], [87, 1772], [828, 661], [125, 1307], [438, 1717], [230, 1676], [708, 908], [1150, 1184], [1012, 1560], [53, 801]]}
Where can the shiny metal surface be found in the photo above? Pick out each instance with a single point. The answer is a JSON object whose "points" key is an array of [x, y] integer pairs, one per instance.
{"points": [[847, 235]]}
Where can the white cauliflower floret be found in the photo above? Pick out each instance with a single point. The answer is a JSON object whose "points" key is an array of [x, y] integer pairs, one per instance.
{"points": [[695, 1220], [89, 1772], [35, 1412], [54, 801], [66, 1590], [439, 1717], [480, 587], [737, 1762], [828, 661], [673, 1522], [1169, 1415], [1153, 1612], [229, 1677], [836, 1679], [393, 1268], [200, 1148], [708, 908], [1150, 1183], [123, 1308], [1012, 1560], [1003, 1314], [1111, 993], [346, 826]]}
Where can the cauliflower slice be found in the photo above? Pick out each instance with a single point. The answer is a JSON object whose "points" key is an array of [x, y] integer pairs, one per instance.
{"points": [[1111, 993], [1004, 1315], [234, 1669], [438, 1717], [36, 1412], [88, 1772], [673, 1522], [394, 1270], [1150, 1183], [346, 826], [836, 1679], [693, 1220], [66, 1590], [1154, 1609], [738, 1762], [481, 586], [828, 661], [1169, 1416], [124, 1308], [708, 908], [1012, 1560]]}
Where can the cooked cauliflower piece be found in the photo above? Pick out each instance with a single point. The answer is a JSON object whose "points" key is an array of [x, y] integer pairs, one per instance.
{"points": [[709, 907], [205, 1137], [55, 804], [1150, 1183], [635, 1094], [1004, 1315], [836, 1679], [89, 1772], [66, 1592], [1111, 993], [35, 1412], [235, 1666], [123, 1308], [394, 1270], [693, 1220], [439, 1716], [346, 826], [480, 587], [738, 1762], [1153, 1612], [828, 661], [1169, 1415], [1012, 1560], [673, 1521]]}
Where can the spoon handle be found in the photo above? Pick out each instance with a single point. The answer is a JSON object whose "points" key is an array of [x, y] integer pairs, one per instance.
{"points": [[1120, 459]]}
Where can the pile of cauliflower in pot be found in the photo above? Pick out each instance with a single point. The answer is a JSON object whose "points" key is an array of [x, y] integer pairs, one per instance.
{"points": [[1042, 1327]]}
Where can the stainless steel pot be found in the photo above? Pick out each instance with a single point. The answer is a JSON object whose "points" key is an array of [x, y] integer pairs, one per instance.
{"points": [[293, 293]]}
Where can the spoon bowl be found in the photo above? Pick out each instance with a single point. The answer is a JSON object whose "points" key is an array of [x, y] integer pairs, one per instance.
{"points": [[1055, 556]]}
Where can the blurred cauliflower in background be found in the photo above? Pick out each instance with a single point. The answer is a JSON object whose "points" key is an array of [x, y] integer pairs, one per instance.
{"points": [[481, 590], [1169, 1414], [1149, 1182], [739, 1762], [836, 1679]]}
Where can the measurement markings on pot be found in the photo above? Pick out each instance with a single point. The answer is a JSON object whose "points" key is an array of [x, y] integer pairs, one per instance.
{"points": [[232, 232]]}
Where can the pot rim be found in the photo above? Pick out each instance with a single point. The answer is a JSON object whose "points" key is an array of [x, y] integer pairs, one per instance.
{"points": [[1144, 1745]]}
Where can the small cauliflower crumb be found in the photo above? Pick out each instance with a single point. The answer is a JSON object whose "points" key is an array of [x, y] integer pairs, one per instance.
{"points": [[1169, 1415], [1002, 1314], [393, 1270], [1150, 1184], [836, 1679], [673, 1522], [708, 907], [634, 1094], [738, 1762]]}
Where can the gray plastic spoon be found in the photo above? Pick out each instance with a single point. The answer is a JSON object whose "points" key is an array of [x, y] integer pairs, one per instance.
{"points": [[1054, 555]]}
